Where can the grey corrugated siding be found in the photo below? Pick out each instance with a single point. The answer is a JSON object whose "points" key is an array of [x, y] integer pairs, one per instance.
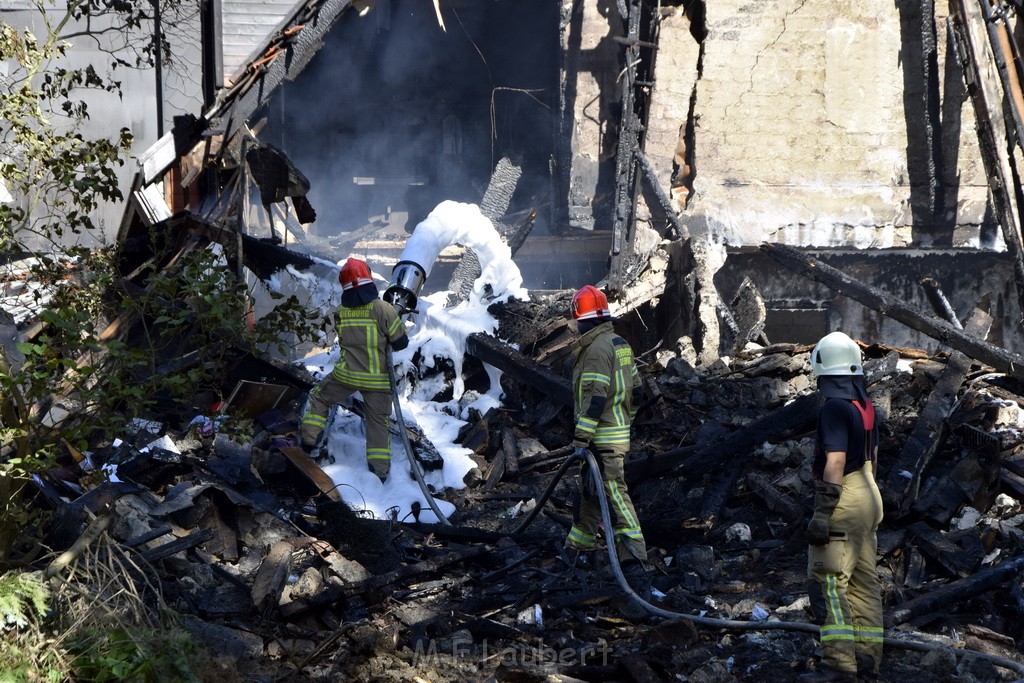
{"points": [[245, 24]]}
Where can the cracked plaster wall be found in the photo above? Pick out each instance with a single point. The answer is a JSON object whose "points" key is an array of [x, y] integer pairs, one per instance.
{"points": [[800, 126]]}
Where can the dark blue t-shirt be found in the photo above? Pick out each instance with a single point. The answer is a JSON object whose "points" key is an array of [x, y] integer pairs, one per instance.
{"points": [[841, 428]]}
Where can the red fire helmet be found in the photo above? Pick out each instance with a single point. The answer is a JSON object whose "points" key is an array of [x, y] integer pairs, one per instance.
{"points": [[354, 274], [588, 303]]}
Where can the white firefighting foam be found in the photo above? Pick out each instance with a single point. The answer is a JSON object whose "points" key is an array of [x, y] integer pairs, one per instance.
{"points": [[438, 332]]}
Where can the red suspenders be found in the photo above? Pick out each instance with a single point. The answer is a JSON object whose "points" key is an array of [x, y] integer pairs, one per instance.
{"points": [[867, 416]]}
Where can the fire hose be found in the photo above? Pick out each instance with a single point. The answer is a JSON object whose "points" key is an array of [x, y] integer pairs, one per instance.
{"points": [[417, 471], [725, 624]]}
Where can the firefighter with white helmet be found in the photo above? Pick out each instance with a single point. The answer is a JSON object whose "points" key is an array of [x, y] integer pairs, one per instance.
{"points": [[366, 325], [842, 534], [607, 392]]}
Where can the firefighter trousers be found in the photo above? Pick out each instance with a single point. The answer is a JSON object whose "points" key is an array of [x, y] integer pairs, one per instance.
{"points": [[843, 579], [376, 412], [629, 540]]}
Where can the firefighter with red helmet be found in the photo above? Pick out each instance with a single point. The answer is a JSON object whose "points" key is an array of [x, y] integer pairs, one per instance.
{"points": [[607, 392], [843, 532], [365, 325]]}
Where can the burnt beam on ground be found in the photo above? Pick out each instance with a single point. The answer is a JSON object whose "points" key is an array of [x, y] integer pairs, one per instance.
{"points": [[930, 430], [892, 307], [500, 355], [954, 592]]}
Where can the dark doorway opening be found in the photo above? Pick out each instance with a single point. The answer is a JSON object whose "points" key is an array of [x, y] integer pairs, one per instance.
{"points": [[395, 115]]}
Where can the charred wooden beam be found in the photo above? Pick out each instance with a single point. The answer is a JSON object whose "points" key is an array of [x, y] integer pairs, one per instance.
{"points": [[494, 204], [500, 355], [304, 464], [659, 192], [967, 25], [937, 298], [775, 499], [643, 467], [941, 548], [930, 430], [185, 543], [890, 306], [271, 575], [625, 160], [533, 461], [955, 592], [425, 567]]}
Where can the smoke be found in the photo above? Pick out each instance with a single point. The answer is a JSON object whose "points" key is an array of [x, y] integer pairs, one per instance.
{"points": [[393, 115]]}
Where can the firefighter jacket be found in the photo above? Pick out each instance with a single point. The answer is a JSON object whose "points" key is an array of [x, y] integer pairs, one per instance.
{"points": [[363, 332], [606, 387]]}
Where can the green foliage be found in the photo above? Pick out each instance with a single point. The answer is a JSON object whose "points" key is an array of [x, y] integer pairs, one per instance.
{"points": [[159, 654], [20, 594]]}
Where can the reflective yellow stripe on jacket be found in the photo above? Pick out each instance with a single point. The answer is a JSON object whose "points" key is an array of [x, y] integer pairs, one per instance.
{"points": [[363, 332], [604, 367]]}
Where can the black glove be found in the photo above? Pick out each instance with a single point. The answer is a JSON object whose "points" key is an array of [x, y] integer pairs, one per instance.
{"points": [[826, 497], [580, 452]]}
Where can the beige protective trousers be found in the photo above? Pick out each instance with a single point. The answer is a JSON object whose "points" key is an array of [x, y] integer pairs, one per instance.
{"points": [[377, 410], [629, 540], [843, 580]]}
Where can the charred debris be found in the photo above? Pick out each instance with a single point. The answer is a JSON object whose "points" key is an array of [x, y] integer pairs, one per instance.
{"points": [[280, 580], [283, 580]]}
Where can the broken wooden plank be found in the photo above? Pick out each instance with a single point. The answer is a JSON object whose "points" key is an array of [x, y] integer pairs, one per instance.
{"points": [[312, 471], [972, 481], [775, 499], [477, 437], [967, 32], [150, 535], [936, 545], [955, 592], [624, 219], [168, 549], [425, 567], [930, 430], [892, 307], [511, 449], [533, 461], [643, 467], [496, 471], [500, 355], [1012, 481], [271, 575]]}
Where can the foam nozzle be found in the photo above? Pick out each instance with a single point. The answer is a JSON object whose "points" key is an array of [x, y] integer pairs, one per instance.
{"points": [[406, 281]]}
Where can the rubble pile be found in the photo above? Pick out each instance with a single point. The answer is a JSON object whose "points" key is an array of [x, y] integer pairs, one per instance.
{"points": [[280, 580]]}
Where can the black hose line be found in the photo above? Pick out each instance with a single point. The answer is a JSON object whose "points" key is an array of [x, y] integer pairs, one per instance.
{"points": [[566, 464], [710, 622], [413, 462], [734, 625]]}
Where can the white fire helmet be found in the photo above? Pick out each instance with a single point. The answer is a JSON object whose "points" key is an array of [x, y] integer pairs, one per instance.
{"points": [[836, 354]]}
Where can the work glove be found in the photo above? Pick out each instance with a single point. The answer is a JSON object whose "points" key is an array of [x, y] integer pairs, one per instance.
{"points": [[580, 452], [826, 497]]}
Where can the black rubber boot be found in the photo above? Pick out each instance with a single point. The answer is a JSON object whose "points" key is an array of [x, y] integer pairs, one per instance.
{"points": [[577, 558], [866, 668]]}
